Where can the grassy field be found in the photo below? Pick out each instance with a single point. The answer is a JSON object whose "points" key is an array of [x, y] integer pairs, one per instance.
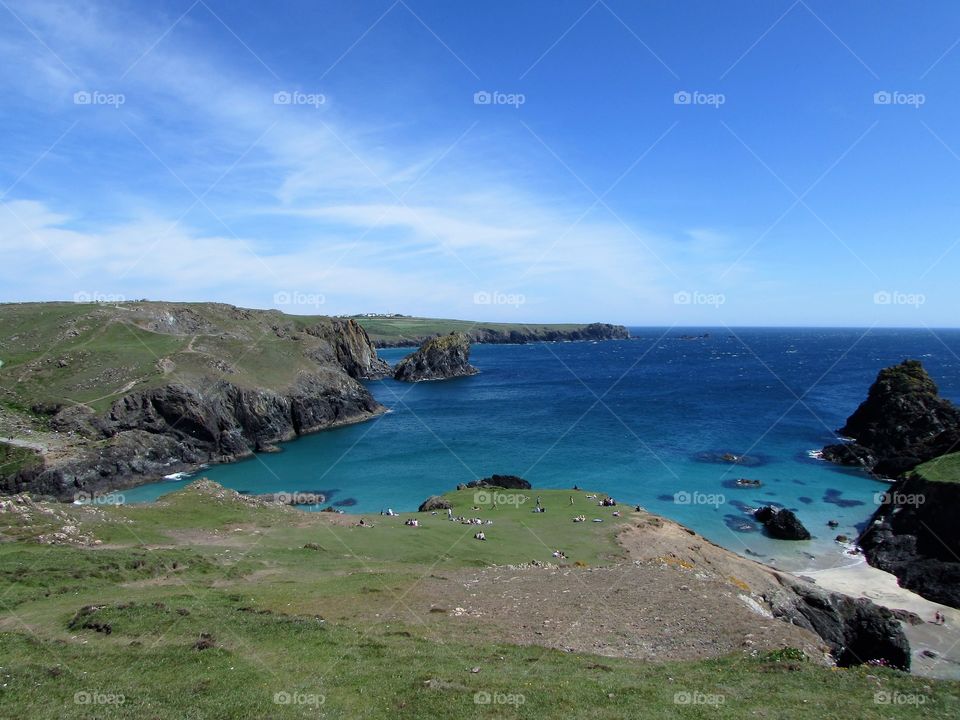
{"points": [[945, 469], [397, 329], [92, 354], [209, 606]]}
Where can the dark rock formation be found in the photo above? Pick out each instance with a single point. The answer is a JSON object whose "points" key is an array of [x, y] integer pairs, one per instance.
{"points": [[434, 502], [523, 335], [781, 524], [507, 482], [444, 357], [856, 630], [914, 534], [902, 423]]}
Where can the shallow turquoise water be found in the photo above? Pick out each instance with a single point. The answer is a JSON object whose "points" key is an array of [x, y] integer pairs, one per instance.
{"points": [[624, 417]]}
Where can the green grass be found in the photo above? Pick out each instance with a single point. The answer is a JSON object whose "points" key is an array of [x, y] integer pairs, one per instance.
{"points": [[83, 628], [14, 458], [944, 469]]}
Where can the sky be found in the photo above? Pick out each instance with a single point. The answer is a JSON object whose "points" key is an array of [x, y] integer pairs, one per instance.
{"points": [[652, 162]]}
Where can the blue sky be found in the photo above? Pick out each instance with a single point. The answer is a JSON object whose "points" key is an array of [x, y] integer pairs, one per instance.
{"points": [[739, 163]]}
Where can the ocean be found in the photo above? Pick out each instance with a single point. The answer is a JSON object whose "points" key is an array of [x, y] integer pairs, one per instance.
{"points": [[646, 420]]}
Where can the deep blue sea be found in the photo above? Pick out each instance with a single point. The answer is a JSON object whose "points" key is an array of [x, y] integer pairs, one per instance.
{"points": [[644, 420]]}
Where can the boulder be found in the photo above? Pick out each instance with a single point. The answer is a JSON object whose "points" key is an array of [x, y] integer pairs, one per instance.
{"points": [[434, 502], [781, 524]]}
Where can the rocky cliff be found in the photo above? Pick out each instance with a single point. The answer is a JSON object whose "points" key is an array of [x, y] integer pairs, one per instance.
{"points": [[914, 534], [190, 384], [437, 359], [904, 428], [902, 423]]}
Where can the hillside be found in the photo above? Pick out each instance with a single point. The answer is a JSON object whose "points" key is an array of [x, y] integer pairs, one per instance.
{"points": [[103, 394], [410, 331], [210, 604]]}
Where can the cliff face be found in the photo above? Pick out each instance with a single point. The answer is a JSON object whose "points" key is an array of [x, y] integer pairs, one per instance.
{"points": [[438, 359], [519, 336], [914, 535], [233, 382], [902, 423]]}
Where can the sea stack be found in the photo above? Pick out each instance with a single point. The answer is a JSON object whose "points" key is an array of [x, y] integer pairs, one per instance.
{"points": [[440, 358]]}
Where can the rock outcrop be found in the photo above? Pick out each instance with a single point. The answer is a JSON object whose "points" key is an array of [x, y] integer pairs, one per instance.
{"points": [[441, 358], [902, 423], [914, 532], [522, 335], [434, 502], [856, 630], [914, 535], [781, 523], [507, 482]]}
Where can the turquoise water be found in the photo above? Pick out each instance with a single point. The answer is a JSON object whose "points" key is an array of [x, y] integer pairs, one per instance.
{"points": [[639, 419]]}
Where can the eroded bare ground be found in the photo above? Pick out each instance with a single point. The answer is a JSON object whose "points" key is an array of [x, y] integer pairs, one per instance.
{"points": [[679, 598]]}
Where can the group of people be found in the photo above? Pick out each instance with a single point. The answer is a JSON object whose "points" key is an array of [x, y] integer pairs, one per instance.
{"points": [[939, 618]]}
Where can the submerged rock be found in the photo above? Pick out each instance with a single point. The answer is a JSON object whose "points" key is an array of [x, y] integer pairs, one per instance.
{"points": [[443, 357]]}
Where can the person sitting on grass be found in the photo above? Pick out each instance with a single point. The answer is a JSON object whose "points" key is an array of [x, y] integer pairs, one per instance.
{"points": [[479, 536]]}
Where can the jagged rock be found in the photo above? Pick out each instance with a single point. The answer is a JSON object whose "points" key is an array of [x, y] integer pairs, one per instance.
{"points": [[781, 523], [508, 482], [902, 423], [857, 630], [444, 357], [434, 502]]}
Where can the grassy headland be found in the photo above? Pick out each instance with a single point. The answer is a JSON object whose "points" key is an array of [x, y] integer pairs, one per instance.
{"points": [[211, 605]]}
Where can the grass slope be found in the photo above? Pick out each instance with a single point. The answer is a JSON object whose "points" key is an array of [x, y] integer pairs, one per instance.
{"points": [[304, 632], [944, 469]]}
